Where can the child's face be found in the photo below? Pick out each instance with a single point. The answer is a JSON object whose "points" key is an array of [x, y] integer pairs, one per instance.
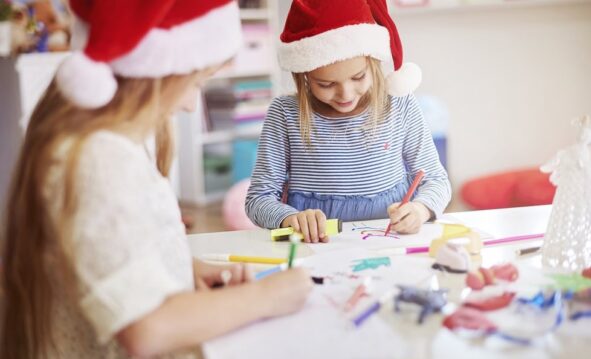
{"points": [[341, 85]]}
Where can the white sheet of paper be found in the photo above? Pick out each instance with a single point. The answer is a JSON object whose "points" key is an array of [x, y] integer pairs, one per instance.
{"points": [[351, 236], [317, 331], [322, 329]]}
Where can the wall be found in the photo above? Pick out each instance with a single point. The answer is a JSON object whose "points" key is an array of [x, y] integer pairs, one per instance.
{"points": [[512, 79], [511, 76]]}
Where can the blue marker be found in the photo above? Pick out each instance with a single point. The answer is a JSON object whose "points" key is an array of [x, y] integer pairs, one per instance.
{"points": [[267, 272]]}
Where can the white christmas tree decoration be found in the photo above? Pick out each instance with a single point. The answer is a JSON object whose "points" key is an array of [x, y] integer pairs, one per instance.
{"points": [[567, 242]]}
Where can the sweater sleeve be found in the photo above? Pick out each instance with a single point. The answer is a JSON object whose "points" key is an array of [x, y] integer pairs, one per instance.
{"points": [[263, 200], [419, 152]]}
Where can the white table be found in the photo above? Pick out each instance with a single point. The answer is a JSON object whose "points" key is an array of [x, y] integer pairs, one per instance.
{"points": [[498, 223], [429, 341]]}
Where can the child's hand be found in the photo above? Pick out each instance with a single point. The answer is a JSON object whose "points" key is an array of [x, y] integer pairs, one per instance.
{"points": [[210, 275], [311, 223], [285, 292], [408, 218]]}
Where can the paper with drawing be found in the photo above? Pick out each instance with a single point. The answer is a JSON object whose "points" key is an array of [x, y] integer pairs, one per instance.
{"points": [[323, 328]]}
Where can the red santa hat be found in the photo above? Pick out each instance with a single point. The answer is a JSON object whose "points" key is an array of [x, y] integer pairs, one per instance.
{"points": [[144, 39], [321, 32]]}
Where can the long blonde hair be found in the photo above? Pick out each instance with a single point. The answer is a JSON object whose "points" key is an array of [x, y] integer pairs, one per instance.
{"points": [[32, 240], [377, 97]]}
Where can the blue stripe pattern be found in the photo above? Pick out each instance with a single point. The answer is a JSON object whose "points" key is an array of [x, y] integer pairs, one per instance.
{"points": [[348, 158]]}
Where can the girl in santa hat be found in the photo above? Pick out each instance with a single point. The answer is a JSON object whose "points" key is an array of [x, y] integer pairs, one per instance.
{"points": [[95, 259], [351, 140]]}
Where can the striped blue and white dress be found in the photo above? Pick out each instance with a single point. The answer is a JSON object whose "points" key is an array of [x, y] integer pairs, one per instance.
{"points": [[351, 172]]}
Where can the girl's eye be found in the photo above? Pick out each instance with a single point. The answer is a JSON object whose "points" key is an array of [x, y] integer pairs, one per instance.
{"points": [[326, 86], [359, 78]]}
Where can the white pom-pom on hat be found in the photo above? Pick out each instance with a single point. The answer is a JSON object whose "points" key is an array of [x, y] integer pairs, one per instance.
{"points": [[404, 80], [85, 82]]}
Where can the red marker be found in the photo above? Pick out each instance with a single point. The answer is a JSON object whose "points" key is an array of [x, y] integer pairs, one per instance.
{"points": [[409, 193]]}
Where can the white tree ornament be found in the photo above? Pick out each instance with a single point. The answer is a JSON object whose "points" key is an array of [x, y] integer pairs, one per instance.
{"points": [[567, 242]]}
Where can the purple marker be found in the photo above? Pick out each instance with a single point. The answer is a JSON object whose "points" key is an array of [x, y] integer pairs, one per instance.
{"points": [[358, 320]]}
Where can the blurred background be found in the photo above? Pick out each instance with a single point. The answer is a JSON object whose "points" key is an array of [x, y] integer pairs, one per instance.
{"points": [[501, 81]]}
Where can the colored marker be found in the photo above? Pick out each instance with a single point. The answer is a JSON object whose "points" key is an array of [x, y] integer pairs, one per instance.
{"points": [[242, 259], [513, 239], [409, 193], [358, 320], [404, 250], [265, 273], [292, 249], [279, 268]]}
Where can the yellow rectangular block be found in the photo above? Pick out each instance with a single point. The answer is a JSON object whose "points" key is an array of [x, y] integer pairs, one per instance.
{"points": [[333, 226]]}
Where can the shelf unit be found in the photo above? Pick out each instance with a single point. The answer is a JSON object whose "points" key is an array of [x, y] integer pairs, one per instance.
{"points": [[193, 138]]}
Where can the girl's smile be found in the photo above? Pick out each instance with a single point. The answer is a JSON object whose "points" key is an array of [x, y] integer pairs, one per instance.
{"points": [[341, 86]]}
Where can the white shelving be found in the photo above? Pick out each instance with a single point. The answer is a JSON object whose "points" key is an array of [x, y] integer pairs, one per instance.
{"points": [[193, 138], [245, 131]]}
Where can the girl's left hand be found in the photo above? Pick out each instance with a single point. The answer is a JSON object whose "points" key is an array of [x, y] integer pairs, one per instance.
{"points": [[408, 218], [211, 275]]}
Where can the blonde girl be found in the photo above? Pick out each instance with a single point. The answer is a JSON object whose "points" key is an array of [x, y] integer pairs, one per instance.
{"points": [[95, 262], [351, 140]]}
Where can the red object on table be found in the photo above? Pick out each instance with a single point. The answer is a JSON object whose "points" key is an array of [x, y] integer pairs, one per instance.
{"points": [[491, 303], [468, 318], [506, 272]]}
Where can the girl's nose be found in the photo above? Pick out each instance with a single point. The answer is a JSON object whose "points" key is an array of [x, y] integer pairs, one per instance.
{"points": [[345, 91]]}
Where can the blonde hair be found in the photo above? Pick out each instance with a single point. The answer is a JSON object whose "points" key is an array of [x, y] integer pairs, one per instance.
{"points": [[32, 240], [377, 97]]}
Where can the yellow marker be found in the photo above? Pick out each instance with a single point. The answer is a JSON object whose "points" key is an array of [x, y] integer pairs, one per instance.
{"points": [[333, 226], [243, 259]]}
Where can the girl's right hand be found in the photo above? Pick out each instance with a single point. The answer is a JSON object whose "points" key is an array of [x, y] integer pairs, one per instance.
{"points": [[311, 223], [285, 292]]}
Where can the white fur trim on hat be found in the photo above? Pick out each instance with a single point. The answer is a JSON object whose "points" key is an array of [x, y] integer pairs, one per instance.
{"points": [[405, 80], [335, 45], [86, 83], [195, 45]]}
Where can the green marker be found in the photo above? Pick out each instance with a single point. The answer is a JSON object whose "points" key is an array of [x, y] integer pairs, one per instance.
{"points": [[292, 249]]}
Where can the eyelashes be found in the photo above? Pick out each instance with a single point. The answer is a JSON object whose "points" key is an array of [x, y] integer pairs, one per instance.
{"points": [[326, 86], [332, 84]]}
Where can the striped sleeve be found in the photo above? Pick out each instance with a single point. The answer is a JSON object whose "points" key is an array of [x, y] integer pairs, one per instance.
{"points": [[263, 200], [420, 153]]}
